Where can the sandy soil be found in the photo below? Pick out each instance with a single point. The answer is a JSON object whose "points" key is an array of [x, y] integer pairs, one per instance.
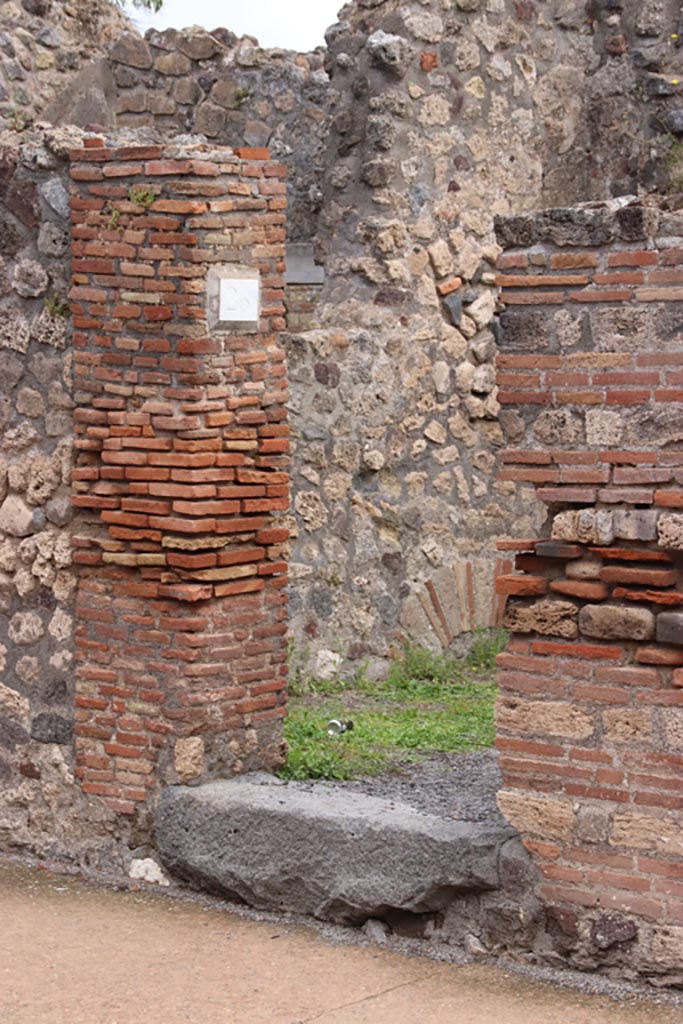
{"points": [[74, 954]]}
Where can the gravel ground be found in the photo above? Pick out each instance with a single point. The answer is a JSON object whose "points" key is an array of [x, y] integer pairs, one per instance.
{"points": [[461, 786]]}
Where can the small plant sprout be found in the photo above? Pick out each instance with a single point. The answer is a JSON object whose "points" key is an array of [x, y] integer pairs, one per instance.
{"points": [[57, 305], [240, 97], [142, 195], [114, 222]]}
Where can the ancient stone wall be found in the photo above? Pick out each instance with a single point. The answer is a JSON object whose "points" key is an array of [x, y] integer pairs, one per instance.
{"points": [[443, 114], [142, 640], [37, 584], [44, 45], [426, 120], [589, 717], [233, 92]]}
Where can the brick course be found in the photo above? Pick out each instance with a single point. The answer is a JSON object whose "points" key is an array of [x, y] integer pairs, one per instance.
{"points": [[588, 717], [182, 470]]}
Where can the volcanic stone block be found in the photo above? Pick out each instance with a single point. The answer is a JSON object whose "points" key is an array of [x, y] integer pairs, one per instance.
{"points": [[670, 628], [614, 622], [635, 525], [338, 855]]}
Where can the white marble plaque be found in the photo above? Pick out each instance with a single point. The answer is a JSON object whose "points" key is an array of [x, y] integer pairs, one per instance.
{"points": [[239, 300]]}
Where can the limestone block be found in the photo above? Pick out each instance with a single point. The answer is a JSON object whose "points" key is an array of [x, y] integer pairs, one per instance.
{"points": [[49, 330], [25, 628], [604, 429], [546, 718], [30, 403], [483, 347], [482, 309], [484, 379], [436, 432], [56, 196], [670, 531], [14, 330], [627, 725], [210, 120], [615, 622], [30, 280], [441, 375], [13, 704], [427, 27], [464, 376], [28, 670], [310, 507], [558, 428], [441, 257], [198, 44], [547, 817], [327, 664], [189, 758], [373, 459], [547, 617], [673, 728], [144, 869], [648, 832], [16, 518], [666, 948], [173, 64], [587, 526], [389, 52], [52, 241], [132, 50]]}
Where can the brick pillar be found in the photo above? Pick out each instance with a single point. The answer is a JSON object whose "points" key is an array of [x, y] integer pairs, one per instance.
{"points": [[182, 477], [590, 716]]}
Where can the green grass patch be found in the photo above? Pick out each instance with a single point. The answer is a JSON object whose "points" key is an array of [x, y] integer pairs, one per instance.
{"points": [[428, 704]]}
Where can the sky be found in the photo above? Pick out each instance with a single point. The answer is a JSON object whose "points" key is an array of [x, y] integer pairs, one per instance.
{"points": [[293, 24]]}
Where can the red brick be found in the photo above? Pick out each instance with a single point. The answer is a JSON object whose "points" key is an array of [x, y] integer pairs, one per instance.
{"points": [[520, 585], [659, 656], [646, 577], [633, 258], [669, 499], [510, 261], [664, 597], [601, 295], [591, 652], [573, 260], [588, 591], [252, 152]]}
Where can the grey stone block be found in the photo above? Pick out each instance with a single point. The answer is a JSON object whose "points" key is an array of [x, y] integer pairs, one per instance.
{"points": [[670, 627], [636, 525], [321, 850]]}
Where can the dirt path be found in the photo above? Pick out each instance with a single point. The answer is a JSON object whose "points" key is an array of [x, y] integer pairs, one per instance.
{"points": [[70, 954]]}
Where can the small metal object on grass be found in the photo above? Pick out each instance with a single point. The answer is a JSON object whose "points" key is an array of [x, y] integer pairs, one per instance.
{"points": [[337, 727]]}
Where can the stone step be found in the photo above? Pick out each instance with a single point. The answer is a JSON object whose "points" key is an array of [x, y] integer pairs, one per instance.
{"points": [[322, 850]]}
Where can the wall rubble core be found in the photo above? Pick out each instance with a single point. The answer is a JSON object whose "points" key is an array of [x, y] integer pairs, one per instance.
{"points": [[589, 714]]}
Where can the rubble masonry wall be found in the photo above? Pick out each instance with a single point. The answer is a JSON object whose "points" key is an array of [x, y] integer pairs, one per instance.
{"points": [[590, 715]]}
